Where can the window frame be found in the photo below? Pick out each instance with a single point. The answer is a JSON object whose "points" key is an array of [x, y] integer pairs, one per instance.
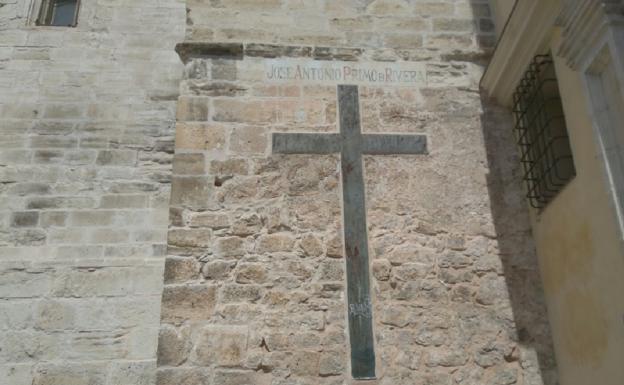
{"points": [[543, 140], [45, 14]]}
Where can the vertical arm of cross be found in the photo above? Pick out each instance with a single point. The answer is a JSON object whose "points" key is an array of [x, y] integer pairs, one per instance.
{"points": [[355, 236], [351, 144]]}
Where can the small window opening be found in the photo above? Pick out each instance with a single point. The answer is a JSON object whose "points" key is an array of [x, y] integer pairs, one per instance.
{"points": [[59, 13], [542, 134]]}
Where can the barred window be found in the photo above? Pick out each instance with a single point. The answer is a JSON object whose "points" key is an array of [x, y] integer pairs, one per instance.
{"points": [[60, 13], [542, 135]]}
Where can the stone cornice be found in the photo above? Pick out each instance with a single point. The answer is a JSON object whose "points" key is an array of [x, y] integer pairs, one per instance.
{"points": [[584, 23], [189, 50], [527, 33]]}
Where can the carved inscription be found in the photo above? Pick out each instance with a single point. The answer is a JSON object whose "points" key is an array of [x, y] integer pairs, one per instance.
{"points": [[334, 72]]}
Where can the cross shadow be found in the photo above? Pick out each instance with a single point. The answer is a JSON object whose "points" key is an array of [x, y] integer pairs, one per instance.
{"points": [[517, 250]]}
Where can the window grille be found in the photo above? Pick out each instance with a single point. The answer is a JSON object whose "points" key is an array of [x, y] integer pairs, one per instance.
{"points": [[541, 132], [59, 13]]}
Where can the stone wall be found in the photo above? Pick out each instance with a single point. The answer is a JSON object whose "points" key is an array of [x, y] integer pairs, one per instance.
{"points": [[86, 141], [424, 29], [255, 278]]}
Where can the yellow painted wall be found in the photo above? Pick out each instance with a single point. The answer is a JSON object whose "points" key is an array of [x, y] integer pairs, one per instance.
{"points": [[581, 258]]}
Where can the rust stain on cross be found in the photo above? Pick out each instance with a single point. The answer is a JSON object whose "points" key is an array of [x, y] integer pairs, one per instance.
{"points": [[352, 144]]}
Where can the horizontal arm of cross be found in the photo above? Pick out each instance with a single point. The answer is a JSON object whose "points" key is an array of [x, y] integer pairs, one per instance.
{"points": [[371, 144], [390, 144]]}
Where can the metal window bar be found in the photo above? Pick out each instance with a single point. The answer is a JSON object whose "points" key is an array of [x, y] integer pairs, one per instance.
{"points": [[541, 134]]}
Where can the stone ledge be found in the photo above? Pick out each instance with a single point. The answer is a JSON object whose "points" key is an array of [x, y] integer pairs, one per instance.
{"points": [[188, 50], [237, 51]]}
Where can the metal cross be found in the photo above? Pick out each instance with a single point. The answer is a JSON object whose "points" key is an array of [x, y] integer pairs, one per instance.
{"points": [[352, 144]]}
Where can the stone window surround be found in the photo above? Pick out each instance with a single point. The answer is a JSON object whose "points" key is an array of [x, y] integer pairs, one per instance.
{"points": [[590, 31]]}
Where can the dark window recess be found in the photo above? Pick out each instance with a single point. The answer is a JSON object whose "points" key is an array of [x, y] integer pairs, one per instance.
{"points": [[60, 13], [542, 134]]}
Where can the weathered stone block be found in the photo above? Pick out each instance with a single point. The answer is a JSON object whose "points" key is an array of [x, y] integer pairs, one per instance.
{"points": [[435, 8], [174, 345], [182, 303], [255, 111], [64, 111], [200, 136], [180, 270], [311, 245], [248, 224], [25, 219], [237, 377], [218, 269], [92, 218], [55, 315], [230, 247], [223, 69], [48, 156], [224, 346], [272, 243], [53, 219], [29, 188], [209, 219], [116, 158], [64, 374], [192, 109], [135, 373], [251, 273], [492, 289], [403, 41], [188, 164], [332, 363], [454, 25], [53, 142], [25, 283], [17, 374], [60, 203], [233, 166], [304, 363], [28, 237], [189, 238], [119, 201], [109, 281], [331, 270], [193, 192], [249, 140], [183, 376], [240, 293], [445, 357], [382, 269], [335, 248]]}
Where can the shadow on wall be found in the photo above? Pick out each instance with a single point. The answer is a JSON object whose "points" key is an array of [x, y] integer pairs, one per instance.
{"points": [[515, 242]]}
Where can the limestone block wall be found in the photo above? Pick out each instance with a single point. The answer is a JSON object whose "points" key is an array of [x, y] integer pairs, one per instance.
{"points": [[255, 272], [86, 141], [423, 29]]}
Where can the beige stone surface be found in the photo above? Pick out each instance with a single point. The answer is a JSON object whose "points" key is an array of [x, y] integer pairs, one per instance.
{"points": [[252, 259], [86, 142], [455, 286]]}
